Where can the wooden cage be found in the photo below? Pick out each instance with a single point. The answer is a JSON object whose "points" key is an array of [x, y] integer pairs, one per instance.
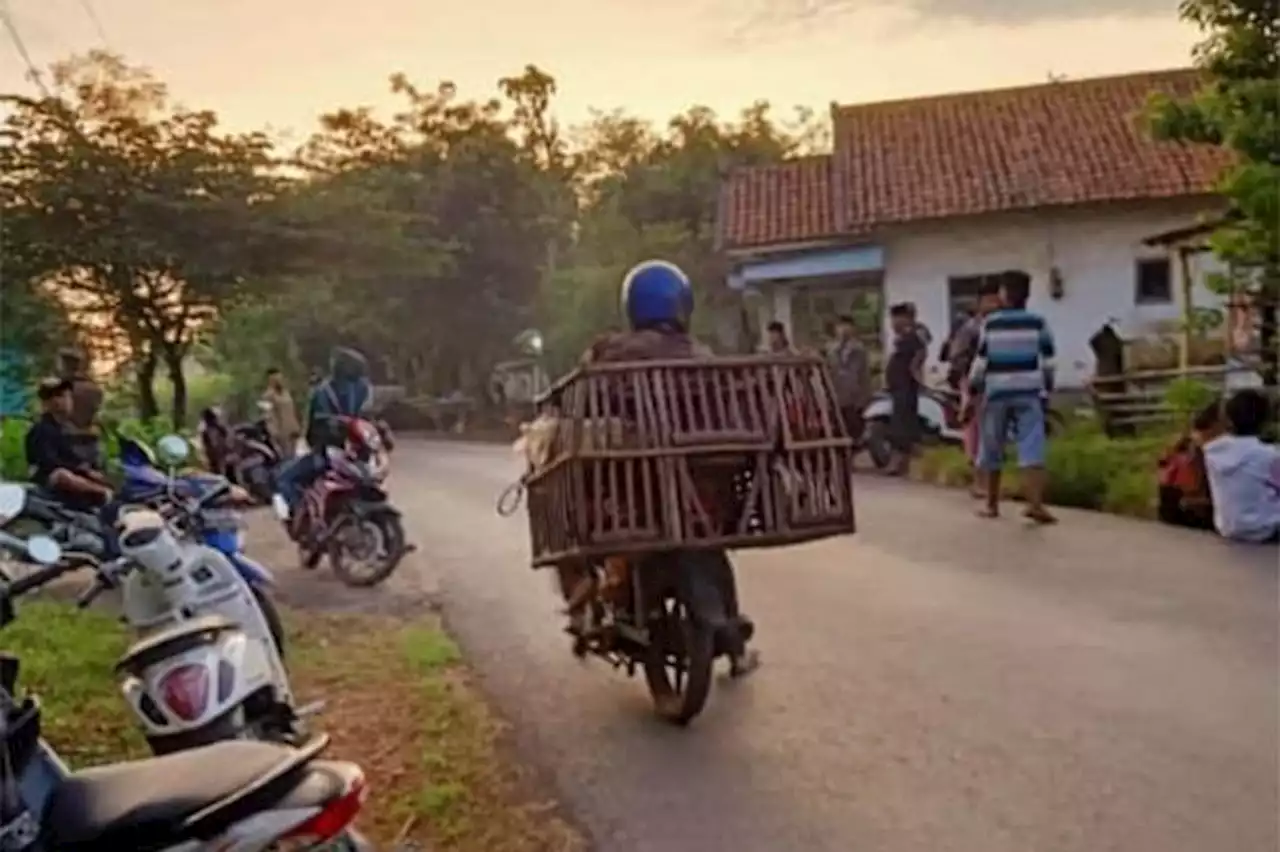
{"points": [[727, 453]]}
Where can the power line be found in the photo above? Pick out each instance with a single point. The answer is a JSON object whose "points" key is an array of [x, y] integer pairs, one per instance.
{"points": [[33, 73], [87, 5]]}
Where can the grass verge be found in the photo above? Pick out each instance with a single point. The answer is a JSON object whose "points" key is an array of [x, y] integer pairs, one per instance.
{"points": [[399, 703]]}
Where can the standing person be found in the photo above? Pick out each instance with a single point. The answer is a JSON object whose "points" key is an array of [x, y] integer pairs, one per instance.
{"points": [[776, 341], [282, 416], [1244, 473], [80, 422], [962, 348], [903, 378], [1011, 378], [851, 374], [926, 336]]}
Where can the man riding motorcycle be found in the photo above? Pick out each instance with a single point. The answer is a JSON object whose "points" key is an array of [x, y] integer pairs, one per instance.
{"points": [[345, 393], [657, 300]]}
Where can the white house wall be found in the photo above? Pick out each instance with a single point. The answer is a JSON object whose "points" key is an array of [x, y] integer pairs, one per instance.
{"points": [[1094, 250]]}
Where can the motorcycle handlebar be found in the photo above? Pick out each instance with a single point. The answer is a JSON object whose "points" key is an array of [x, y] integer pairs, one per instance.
{"points": [[41, 577]]}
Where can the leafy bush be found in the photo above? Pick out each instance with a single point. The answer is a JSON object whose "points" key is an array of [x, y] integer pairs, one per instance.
{"points": [[1085, 469]]}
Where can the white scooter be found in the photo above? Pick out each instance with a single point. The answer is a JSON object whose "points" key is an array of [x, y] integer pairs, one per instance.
{"points": [[224, 797], [205, 668]]}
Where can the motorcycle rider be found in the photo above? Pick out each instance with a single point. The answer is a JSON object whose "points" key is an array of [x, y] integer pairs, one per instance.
{"points": [[657, 300], [345, 392]]}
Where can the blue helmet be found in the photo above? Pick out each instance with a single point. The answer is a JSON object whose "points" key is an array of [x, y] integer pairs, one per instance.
{"points": [[656, 292]]}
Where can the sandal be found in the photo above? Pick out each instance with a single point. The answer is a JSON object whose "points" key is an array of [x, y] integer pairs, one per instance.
{"points": [[987, 513], [1040, 516]]}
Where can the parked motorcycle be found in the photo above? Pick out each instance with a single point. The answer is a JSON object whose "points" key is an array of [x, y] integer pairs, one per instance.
{"points": [[226, 797], [254, 457], [346, 515], [940, 422], [206, 666]]}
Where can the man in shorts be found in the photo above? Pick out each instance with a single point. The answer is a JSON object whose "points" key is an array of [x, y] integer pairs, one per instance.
{"points": [[1011, 378]]}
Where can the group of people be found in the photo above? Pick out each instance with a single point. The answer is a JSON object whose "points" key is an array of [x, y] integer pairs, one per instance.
{"points": [[850, 365], [1000, 361], [1222, 476], [63, 444]]}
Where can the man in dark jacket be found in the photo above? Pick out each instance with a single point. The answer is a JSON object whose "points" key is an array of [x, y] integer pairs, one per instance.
{"points": [[346, 392], [658, 301]]}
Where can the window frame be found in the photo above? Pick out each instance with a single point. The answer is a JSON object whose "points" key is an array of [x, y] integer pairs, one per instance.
{"points": [[1141, 300]]}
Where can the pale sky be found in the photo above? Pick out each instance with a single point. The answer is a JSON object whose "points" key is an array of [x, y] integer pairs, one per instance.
{"points": [[280, 63]]}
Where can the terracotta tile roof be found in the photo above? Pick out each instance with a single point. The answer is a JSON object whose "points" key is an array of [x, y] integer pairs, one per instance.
{"points": [[1052, 144], [787, 202]]}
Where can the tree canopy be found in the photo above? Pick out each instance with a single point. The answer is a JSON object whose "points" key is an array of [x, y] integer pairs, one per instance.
{"points": [[1239, 108], [430, 238]]}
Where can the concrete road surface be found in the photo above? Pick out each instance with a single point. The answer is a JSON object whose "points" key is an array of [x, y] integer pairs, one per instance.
{"points": [[937, 682]]}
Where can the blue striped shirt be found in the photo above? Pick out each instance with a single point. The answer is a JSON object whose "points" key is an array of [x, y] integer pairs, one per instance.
{"points": [[1015, 356]]}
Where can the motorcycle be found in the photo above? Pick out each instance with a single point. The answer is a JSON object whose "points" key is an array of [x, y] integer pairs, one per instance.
{"points": [[206, 666], [225, 797], [146, 485], [254, 457], [665, 615], [346, 515], [940, 422]]}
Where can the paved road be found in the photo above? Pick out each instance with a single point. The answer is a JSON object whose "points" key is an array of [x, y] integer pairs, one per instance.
{"points": [[935, 683]]}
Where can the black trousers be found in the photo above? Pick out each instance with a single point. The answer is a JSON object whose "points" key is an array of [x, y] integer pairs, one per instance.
{"points": [[904, 422]]}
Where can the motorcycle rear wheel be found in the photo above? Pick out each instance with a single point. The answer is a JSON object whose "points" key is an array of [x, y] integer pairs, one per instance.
{"points": [[389, 533], [678, 663]]}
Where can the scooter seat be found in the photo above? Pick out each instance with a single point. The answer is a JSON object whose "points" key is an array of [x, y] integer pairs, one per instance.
{"points": [[150, 804]]}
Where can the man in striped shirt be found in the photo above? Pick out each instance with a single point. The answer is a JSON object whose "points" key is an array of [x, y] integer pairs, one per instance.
{"points": [[1012, 375]]}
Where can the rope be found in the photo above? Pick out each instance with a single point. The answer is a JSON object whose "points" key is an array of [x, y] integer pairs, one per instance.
{"points": [[512, 496]]}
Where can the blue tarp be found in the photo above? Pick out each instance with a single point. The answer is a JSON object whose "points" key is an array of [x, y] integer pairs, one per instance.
{"points": [[13, 391]]}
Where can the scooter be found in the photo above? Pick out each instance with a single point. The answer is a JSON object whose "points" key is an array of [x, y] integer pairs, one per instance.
{"points": [[939, 412], [206, 667], [145, 484], [225, 797]]}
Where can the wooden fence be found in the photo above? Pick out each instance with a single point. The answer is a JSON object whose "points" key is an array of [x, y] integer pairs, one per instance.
{"points": [[1128, 402]]}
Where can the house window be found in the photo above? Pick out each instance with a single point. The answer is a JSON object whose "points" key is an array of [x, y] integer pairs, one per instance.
{"points": [[1153, 282]]}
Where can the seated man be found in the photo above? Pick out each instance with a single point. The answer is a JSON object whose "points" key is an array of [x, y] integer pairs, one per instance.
{"points": [[1244, 473], [1185, 500], [658, 301], [51, 455]]}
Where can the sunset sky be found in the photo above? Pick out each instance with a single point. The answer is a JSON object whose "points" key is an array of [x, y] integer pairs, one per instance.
{"points": [[280, 63]]}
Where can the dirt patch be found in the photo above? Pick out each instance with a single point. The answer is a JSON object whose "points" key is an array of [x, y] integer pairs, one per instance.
{"points": [[399, 698]]}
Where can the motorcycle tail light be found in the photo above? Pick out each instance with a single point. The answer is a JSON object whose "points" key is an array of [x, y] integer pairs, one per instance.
{"points": [[336, 815], [185, 691]]}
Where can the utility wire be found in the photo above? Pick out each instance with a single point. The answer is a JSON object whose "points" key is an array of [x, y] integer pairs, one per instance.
{"points": [[87, 5], [33, 73]]}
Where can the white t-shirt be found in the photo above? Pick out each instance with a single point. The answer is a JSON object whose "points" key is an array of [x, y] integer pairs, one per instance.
{"points": [[1244, 479]]}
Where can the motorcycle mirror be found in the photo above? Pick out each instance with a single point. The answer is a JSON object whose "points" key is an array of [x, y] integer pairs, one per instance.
{"points": [[173, 450], [12, 498], [44, 550]]}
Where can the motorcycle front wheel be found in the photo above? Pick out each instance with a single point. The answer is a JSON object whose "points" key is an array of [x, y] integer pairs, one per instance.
{"points": [[366, 550]]}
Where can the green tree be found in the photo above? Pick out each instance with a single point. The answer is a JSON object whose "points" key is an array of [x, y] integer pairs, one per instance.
{"points": [[141, 214], [655, 193], [1239, 109]]}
